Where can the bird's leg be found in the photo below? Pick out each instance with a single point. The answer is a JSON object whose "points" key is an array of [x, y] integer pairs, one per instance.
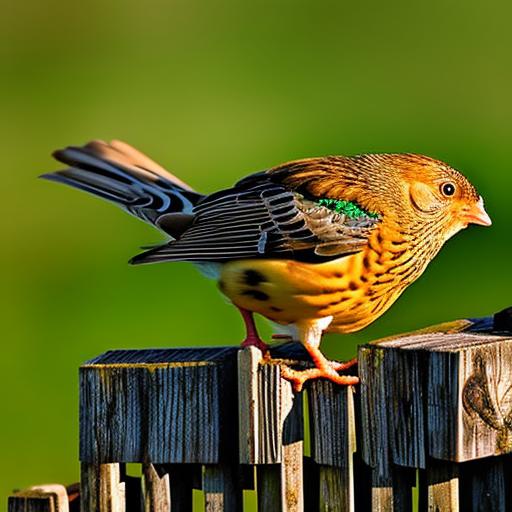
{"points": [[311, 334], [252, 339]]}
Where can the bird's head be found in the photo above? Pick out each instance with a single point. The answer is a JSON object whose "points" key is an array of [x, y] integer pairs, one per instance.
{"points": [[417, 192], [417, 195]]}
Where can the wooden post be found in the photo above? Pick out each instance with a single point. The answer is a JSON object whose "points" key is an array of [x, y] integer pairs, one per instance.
{"points": [[271, 431], [437, 401], [156, 490], [333, 443], [101, 488], [41, 498]]}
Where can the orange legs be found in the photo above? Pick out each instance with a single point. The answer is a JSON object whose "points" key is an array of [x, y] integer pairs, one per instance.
{"points": [[324, 369], [252, 338], [310, 334]]}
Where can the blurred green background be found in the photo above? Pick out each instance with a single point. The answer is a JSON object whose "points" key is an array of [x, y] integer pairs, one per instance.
{"points": [[216, 90]]}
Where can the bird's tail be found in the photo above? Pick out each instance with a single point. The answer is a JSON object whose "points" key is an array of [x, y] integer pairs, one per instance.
{"points": [[121, 174]]}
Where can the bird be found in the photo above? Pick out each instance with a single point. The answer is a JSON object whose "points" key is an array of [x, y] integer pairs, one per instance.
{"points": [[317, 245]]}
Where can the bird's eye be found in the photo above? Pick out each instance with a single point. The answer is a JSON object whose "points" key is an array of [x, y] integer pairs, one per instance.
{"points": [[448, 189]]}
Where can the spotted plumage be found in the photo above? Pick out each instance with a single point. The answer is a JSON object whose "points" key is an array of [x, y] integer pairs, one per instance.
{"points": [[321, 244]]}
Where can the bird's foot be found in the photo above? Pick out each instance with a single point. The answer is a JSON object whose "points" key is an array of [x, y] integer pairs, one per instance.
{"points": [[340, 367], [253, 340], [299, 377]]}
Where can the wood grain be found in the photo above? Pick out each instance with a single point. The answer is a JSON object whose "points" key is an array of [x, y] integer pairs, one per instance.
{"points": [[101, 489], [439, 487], [160, 406], [156, 492], [41, 498], [222, 489], [333, 443]]}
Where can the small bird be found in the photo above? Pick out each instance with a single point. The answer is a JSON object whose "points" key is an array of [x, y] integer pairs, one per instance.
{"points": [[319, 245]]}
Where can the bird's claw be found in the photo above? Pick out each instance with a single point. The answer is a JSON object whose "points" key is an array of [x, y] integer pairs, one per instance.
{"points": [[299, 377], [340, 367]]}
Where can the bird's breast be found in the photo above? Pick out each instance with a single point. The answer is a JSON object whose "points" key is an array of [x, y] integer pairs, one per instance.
{"points": [[354, 289]]}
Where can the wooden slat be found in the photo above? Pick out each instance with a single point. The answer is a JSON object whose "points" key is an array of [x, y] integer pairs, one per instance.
{"points": [[41, 498], [268, 478], [439, 487], [392, 490], [248, 424], [101, 488], [450, 388], [222, 489], [163, 406], [265, 403], [374, 373], [155, 490], [470, 399], [333, 442], [484, 486], [271, 432]]}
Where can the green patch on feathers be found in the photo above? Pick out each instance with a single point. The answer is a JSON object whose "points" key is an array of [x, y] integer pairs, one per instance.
{"points": [[348, 208]]}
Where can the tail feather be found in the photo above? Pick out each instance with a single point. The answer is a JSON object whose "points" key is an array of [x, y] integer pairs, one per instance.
{"points": [[119, 173]]}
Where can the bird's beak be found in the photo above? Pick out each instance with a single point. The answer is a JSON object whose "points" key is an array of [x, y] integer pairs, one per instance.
{"points": [[477, 214]]}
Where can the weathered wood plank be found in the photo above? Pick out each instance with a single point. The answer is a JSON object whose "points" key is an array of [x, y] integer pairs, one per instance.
{"points": [[452, 388], [268, 479], [469, 399], [266, 407], [390, 484], [484, 483], [41, 498], [333, 443], [163, 406], [392, 491], [406, 404], [374, 418], [439, 487], [222, 489], [101, 488], [335, 490], [155, 490], [248, 424], [270, 432]]}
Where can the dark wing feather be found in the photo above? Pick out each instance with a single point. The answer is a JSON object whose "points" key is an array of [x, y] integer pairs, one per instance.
{"points": [[263, 219]]}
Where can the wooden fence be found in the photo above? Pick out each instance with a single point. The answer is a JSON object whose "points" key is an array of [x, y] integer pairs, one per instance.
{"points": [[433, 412]]}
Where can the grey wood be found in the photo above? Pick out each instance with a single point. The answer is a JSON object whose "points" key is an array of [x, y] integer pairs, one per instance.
{"points": [[472, 386], [44, 498], [335, 490], [374, 372], [222, 489], [155, 489], [268, 479], [392, 491], [161, 406], [268, 410], [448, 392], [484, 484], [333, 442], [271, 431], [101, 488], [439, 487]]}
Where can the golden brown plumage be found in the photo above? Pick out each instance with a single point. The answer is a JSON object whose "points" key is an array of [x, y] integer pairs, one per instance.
{"points": [[322, 244]]}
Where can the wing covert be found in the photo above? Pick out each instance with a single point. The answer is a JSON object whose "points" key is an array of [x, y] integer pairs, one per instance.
{"points": [[264, 220]]}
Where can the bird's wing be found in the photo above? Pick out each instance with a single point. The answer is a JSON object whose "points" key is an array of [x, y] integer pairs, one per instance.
{"points": [[259, 218]]}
